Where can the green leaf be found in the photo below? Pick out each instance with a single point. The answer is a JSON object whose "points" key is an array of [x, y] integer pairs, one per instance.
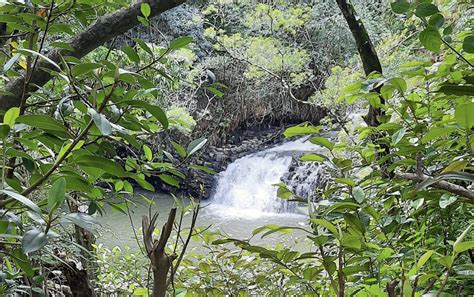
{"points": [[4, 130], [83, 68], [436, 20], [195, 145], [143, 45], [180, 42], [43, 122], [323, 142], [100, 163], [179, 149], [400, 6], [313, 158], [346, 181], [463, 235], [42, 56], [57, 193], [397, 136], [446, 200], [33, 240], [145, 9], [22, 261], [22, 199], [351, 241], [468, 44], [144, 184], [62, 45], [156, 111], [436, 132], [66, 147], [431, 39], [423, 259], [464, 115], [148, 152], [11, 115], [446, 261], [465, 90], [326, 224], [456, 166], [82, 220], [10, 62], [131, 53], [100, 121], [301, 130], [203, 169], [359, 194], [169, 180], [400, 84], [463, 246], [426, 9]]}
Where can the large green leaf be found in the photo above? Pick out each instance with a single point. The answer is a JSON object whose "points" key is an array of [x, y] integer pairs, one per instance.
{"points": [[101, 122], [180, 42], [431, 39], [460, 90], [4, 130], [400, 6], [131, 54], [169, 180], [195, 145], [468, 44], [100, 163], [57, 193], [33, 240], [323, 142], [426, 9], [326, 224], [301, 130], [313, 158], [156, 111], [179, 149], [22, 199], [82, 220], [464, 115], [43, 122], [83, 68], [11, 115]]}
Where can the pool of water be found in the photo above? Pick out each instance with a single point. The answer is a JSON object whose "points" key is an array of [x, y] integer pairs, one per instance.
{"points": [[118, 230]]}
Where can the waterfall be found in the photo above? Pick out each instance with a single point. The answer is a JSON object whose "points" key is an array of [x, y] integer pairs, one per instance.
{"points": [[246, 188]]}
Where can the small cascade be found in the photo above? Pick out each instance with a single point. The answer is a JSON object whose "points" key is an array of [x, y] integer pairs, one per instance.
{"points": [[246, 188]]}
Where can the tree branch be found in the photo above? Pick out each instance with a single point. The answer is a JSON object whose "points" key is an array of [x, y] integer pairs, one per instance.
{"points": [[443, 185], [101, 31]]}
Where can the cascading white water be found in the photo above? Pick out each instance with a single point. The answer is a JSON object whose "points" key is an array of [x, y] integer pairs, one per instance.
{"points": [[246, 188]]}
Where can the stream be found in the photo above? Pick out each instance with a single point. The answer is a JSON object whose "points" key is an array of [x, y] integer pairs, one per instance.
{"points": [[244, 199]]}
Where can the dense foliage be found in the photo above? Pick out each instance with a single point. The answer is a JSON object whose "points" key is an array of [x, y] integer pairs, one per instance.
{"points": [[85, 126]]}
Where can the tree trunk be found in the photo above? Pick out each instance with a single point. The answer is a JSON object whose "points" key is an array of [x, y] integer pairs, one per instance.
{"points": [[155, 249], [371, 63], [80, 274], [367, 53]]}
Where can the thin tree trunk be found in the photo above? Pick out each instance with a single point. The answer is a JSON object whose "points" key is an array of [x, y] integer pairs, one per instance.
{"points": [[371, 63], [155, 249], [367, 53], [80, 274]]}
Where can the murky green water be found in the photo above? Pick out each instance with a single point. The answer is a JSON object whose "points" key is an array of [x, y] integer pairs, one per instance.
{"points": [[118, 229]]}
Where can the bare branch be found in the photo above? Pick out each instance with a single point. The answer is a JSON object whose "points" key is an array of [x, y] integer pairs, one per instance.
{"points": [[443, 185]]}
